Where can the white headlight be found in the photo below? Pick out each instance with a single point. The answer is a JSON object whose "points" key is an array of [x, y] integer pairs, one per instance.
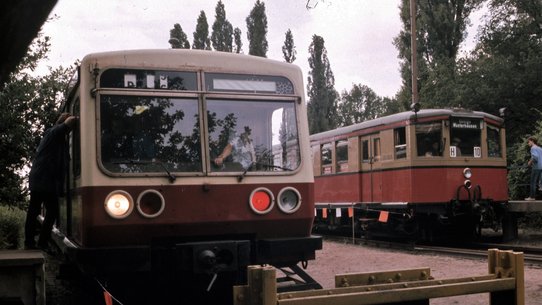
{"points": [[467, 173], [289, 200], [119, 204]]}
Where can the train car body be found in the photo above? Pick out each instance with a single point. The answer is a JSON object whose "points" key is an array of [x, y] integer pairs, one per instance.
{"points": [[143, 190], [412, 172]]}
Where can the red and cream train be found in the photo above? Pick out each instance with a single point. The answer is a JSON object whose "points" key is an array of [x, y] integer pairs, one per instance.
{"points": [[434, 171], [143, 191]]}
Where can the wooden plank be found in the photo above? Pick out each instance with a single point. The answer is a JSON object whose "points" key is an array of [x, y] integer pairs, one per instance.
{"points": [[406, 294], [391, 276]]}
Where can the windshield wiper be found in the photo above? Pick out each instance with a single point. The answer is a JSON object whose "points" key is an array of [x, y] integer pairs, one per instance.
{"points": [[240, 177], [171, 177]]}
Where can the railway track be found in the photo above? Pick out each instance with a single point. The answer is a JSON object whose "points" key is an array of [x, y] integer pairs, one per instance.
{"points": [[532, 255]]}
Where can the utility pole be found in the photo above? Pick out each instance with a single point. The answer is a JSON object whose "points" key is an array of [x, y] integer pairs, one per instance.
{"points": [[415, 106]]}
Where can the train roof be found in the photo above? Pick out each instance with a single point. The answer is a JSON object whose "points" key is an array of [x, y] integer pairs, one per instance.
{"points": [[404, 116], [196, 59]]}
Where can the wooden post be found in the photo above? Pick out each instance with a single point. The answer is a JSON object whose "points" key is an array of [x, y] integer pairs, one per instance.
{"points": [[507, 264], [261, 288]]}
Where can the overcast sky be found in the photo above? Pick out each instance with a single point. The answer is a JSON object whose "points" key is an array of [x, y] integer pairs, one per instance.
{"points": [[358, 34]]}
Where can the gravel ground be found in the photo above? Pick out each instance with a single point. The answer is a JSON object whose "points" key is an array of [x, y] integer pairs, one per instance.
{"points": [[338, 258]]}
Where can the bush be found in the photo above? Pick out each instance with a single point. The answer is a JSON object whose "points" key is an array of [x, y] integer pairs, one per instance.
{"points": [[11, 227]]}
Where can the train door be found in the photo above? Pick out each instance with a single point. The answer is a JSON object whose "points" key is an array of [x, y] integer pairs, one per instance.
{"points": [[371, 181], [64, 222]]}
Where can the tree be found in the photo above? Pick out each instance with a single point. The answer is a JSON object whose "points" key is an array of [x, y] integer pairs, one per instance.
{"points": [[441, 27], [358, 105], [288, 49], [222, 30], [322, 105], [238, 43], [178, 38], [503, 71], [257, 30], [33, 103], [201, 35]]}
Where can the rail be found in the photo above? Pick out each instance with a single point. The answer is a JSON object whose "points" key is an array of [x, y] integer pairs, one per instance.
{"points": [[504, 283]]}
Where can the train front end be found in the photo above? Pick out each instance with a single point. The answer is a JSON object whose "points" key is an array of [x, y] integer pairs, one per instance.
{"points": [[146, 191]]}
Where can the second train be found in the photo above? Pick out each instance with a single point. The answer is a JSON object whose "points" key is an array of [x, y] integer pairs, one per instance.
{"points": [[424, 175]]}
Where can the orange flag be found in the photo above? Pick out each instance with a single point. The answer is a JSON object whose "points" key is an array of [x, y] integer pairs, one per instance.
{"points": [[107, 298], [383, 216], [350, 212]]}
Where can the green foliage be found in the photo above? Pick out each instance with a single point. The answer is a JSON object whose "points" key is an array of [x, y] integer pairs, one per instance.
{"points": [[288, 49], [222, 30], [257, 30], [322, 105], [178, 38], [440, 29], [33, 103], [11, 227], [201, 35], [518, 155], [238, 41]]}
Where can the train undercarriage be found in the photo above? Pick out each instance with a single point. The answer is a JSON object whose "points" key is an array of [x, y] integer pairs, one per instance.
{"points": [[416, 222]]}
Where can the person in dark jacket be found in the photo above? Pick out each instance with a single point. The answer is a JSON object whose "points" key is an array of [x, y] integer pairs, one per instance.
{"points": [[46, 180]]}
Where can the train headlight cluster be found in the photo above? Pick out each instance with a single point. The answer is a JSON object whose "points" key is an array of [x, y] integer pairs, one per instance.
{"points": [[289, 200], [119, 204], [262, 200], [467, 173], [150, 203]]}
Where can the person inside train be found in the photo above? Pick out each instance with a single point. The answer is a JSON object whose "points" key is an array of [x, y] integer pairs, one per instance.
{"points": [[536, 163], [455, 143], [241, 148], [46, 180]]}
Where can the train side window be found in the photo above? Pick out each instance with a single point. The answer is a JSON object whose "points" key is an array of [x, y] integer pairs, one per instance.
{"points": [[341, 154], [376, 149], [399, 135], [429, 139], [365, 151], [493, 142], [325, 156]]}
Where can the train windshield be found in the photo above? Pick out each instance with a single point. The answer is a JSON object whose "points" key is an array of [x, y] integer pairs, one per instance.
{"points": [[141, 134], [466, 136], [150, 134], [252, 135]]}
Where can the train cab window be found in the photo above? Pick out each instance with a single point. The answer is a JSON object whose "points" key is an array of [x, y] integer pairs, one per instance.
{"points": [[365, 151], [493, 142], [465, 135], [376, 149], [341, 154], [252, 135], [141, 135], [326, 157], [399, 139], [429, 139]]}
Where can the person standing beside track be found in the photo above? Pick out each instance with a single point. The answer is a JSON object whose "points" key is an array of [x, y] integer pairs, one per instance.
{"points": [[536, 163], [46, 180]]}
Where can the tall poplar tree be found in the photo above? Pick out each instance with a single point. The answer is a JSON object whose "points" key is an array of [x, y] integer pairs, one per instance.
{"points": [[288, 49], [257, 30], [322, 105], [201, 35], [222, 36], [178, 38], [238, 42]]}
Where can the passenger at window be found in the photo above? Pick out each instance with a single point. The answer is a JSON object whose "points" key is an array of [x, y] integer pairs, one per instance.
{"points": [[241, 148], [456, 142]]}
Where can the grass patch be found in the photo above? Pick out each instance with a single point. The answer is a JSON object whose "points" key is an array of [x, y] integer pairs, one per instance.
{"points": [[11, 227]]}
